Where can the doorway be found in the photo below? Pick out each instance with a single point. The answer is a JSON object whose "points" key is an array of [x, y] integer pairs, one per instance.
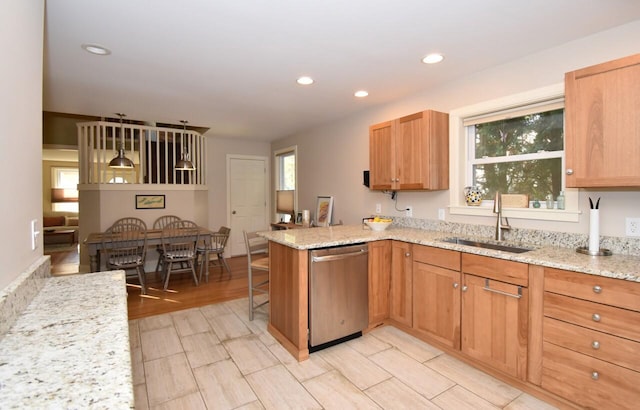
{"points": [[247, 187]]}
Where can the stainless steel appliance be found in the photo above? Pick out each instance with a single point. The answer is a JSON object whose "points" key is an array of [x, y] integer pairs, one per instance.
{"points": [[338, 294]]}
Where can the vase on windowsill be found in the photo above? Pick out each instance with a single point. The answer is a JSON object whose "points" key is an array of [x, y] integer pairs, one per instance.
{"points": [[472, 196]]}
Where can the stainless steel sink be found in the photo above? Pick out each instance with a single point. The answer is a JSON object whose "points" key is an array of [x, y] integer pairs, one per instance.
{"points": [[487, 245]]}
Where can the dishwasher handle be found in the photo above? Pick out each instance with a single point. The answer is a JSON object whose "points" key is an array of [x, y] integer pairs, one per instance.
{"points": [[329, 258]]}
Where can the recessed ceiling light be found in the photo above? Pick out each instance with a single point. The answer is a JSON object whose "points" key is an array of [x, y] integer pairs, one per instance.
{"points": [[361, 93], [433, 58], [96, 49], [305, 80]]}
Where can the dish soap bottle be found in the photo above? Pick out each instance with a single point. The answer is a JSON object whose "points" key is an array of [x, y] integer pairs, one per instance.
{"points": [[561, 200]]}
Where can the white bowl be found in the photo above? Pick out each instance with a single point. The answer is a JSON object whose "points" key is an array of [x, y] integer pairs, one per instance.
{"points": [[377, 226]]}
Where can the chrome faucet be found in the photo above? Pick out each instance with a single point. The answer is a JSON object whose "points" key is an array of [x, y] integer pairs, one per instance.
{"points": [[497, 209]]}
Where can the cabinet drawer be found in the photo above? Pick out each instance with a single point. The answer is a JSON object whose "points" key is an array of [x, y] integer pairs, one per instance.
{"points": [[436, 256], [612, 349], [615, 292], [608, 319], [587, 381], [499, 269]]}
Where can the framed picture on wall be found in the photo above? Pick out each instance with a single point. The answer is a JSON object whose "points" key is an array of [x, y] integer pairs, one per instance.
{"points": [[324, 210], [149, 201]]}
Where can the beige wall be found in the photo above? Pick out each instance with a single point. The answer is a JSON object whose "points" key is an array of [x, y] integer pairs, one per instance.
{"points": [[331, 158], [21, 46]]}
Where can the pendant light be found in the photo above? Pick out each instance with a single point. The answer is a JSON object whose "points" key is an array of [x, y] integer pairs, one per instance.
{"points": [[184, 164], [120, 161]]}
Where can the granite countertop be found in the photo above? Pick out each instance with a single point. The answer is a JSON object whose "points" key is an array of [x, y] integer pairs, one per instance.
{"points": [[70, 347], [625, 267]]}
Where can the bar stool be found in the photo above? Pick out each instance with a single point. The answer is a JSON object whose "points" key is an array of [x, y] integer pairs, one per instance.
{"points": [[256, 246]]}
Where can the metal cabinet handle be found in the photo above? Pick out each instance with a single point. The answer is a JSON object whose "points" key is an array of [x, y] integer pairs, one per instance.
{"points": [[464, 288], [597, 289], [511, 295], [595, 344], [407, 254], [595, 375], [455, 285], [569, 171], [595, 317]]}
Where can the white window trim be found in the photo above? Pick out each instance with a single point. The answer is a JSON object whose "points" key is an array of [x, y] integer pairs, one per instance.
{"points": [[459, 152], [276, 174]]}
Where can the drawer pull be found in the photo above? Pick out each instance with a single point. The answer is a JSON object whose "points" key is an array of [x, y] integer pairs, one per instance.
{"points": [[595, 375], [597, 289], [464, 288], [455, 285], [407, 254], [595, 344], [511, 295], [595, 317]]}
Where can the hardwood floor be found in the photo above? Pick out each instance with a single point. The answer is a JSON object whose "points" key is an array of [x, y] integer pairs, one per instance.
{"points": [[182, 293]]}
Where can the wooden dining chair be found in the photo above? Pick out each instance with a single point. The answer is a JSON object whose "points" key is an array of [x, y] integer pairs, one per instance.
{"points": [[214, 246], [179, 240], [159, 224], [131, 220], [257, 260], [125, 247]]}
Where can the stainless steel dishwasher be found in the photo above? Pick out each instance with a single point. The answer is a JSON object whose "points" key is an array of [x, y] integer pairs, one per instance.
{"points": [[338, 294]]}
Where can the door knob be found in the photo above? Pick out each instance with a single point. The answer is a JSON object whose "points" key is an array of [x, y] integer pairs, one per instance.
{"points": [[569, 171], [233, 212]]}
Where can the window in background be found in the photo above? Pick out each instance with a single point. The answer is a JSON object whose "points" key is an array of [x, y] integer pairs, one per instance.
{"points": [[285, 161], [517, 151], [67, 179]]}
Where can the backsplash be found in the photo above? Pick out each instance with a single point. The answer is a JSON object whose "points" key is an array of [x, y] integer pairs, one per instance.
{"points": [[617, 245], [15, 298]]}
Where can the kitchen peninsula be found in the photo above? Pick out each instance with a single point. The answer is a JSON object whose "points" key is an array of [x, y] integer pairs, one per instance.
{"points": [[533, 363]]}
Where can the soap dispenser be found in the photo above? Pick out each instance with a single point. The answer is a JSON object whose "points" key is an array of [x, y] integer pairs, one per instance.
{"points": [[561, 200]]}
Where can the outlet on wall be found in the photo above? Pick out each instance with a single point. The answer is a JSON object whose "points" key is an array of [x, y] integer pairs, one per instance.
{"points": [[632, 226], [378, 208], [441, 214]]}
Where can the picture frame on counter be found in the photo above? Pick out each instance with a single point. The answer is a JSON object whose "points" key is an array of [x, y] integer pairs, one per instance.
{"points": [[324, 210], [150, 201]]}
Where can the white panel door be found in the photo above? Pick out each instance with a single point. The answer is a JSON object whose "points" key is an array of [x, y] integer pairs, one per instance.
{"points": [[247, 198]]}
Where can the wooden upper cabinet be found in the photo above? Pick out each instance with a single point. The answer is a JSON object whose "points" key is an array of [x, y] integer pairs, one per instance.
{"points": [[602, 124], [410, 153]]}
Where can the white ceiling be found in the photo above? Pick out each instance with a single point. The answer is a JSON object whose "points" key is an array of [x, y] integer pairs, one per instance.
{"points": [[231, 65]]}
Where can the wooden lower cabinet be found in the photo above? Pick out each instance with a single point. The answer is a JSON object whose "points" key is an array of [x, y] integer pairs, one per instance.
{"points": [[588, 381], [436, 308], [400, 293], [495, 324], [379, 280], [591, 332]]}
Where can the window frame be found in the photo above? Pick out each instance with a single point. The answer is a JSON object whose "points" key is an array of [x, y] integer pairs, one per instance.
{"points": [[55, 176], [277, 175], [459, 158]]}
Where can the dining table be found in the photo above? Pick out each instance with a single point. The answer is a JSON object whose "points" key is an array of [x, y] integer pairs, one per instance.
{"points": [[94, 243]]}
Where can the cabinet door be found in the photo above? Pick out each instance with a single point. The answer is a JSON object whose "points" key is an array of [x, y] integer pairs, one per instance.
{"points": [[494, 324], [379, 276], [410, 146], [436, 303], [422, 151], [602, 124], [400, 295], [382, 156]]}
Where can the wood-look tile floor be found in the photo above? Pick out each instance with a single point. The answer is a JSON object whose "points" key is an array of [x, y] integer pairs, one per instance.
{"points": [[193, 348], [213, 357]]}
